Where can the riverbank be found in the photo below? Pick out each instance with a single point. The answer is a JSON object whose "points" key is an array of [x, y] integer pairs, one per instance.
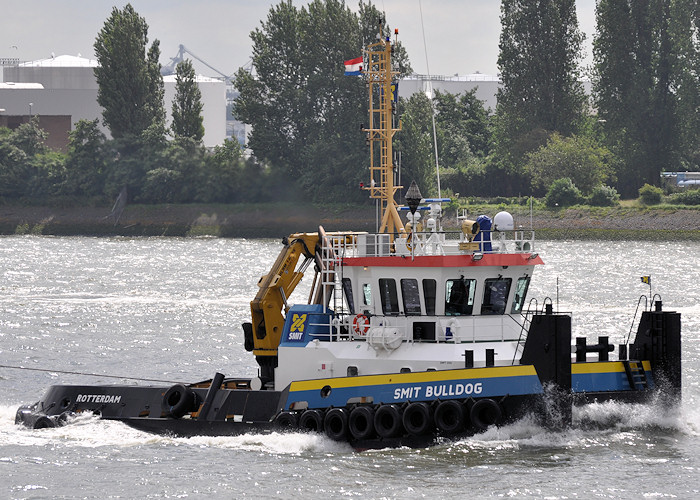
{"points": [[277, 220]]}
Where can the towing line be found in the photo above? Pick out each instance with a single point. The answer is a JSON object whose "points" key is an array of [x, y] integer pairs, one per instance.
{"points": [[88, 374]]}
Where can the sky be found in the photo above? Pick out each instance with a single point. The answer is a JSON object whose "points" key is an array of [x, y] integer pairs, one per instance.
{"points": [[461, 36]]}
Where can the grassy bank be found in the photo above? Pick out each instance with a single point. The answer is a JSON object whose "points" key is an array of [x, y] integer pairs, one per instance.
{"points": [[280, 219]]}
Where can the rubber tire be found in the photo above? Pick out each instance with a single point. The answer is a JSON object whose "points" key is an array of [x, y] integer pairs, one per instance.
{"points": [[44, 422], [311, 421], [449, 417], [178, 400], [387, 421], [361, 422], [417, 419], [485, 413], [287, 421], [336, 424]]}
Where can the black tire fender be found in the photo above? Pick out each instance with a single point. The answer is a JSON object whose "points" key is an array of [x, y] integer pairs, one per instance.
{"points": [[485, 413], [417, 418], [336, 424], [44, 422], [311, 420], [178, 400], [387, 421], [361, 422], [287, 420], [449, 416]]}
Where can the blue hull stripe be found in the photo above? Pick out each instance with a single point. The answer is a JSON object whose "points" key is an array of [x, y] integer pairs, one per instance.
{"points": [[597, 382], [459, 388]]}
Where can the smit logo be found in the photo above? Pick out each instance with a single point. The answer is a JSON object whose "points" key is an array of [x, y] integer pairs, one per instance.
{"points": [[296, 331]]}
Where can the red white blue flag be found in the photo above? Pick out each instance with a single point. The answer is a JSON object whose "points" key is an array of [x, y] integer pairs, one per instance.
{"points": [[353, 66]]}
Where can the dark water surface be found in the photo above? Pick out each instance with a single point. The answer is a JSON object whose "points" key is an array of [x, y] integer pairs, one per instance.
{"points": [[171, 309]]}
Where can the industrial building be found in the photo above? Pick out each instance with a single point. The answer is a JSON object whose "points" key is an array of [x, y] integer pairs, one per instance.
{"points": [[62, 90], [486, 86]]}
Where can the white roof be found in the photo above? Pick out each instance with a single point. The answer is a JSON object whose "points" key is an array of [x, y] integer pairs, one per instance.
{"points": [[20, 86], [197, 78], [64, 61], [474, 77]]}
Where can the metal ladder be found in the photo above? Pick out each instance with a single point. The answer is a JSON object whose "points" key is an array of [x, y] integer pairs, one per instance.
{"points": [[331, 282], [636, 376]]}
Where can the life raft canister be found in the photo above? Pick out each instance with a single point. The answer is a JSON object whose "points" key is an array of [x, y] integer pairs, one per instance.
{"points": [[360, 325]]}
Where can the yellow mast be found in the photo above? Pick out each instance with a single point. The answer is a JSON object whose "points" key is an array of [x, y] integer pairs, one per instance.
{"points": [[381, 132]]}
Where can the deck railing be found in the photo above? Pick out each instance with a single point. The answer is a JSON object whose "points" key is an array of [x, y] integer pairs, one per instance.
{"points": [[429, 243]]}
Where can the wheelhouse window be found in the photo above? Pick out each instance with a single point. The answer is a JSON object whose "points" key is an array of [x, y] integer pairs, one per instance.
{"points": [[429, 292], [459, 297], [495, 295], [520, 293], [411, 297], [366, 294], [347, 291], [390, 299]]}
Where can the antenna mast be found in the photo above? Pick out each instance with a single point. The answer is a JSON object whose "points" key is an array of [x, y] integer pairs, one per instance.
{"points": [[380, 132]]}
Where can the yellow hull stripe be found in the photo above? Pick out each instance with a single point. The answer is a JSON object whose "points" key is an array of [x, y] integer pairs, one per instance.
{"points": [[416, 377], [603, 367]]}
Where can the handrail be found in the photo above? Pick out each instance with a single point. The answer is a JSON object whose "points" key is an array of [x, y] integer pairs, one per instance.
{"points": [[526, 318], [646, 303]]}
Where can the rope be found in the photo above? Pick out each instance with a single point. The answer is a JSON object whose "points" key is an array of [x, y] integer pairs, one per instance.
{"points": [[89, 374]]}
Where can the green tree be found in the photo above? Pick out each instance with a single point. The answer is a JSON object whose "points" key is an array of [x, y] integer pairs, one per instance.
{"points": [[636, 82], [562, 193], [220, 176], [684, 28], [578, 158], [128, 78], [540, 51], [14, 171], [463, 119], [28, 169], [156, 88], [415, 142], [187, 105], [48, 175], [29, 137], [305, 114], [86, 161]]}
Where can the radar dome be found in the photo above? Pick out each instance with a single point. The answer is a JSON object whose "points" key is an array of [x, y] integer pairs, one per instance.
{"points": [[503, 221]]}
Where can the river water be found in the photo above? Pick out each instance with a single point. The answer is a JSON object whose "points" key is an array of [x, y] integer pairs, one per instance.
{"points": [[171, 309]]}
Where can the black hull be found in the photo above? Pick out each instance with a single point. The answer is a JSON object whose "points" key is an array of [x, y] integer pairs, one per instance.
{"points": [[191, 428]]}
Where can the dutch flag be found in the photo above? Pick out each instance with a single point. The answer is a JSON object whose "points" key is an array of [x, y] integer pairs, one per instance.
{"points": [[353, 66]]}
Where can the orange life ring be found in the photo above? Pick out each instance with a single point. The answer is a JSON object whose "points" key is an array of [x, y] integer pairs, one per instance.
{"points": [[360, 324]]}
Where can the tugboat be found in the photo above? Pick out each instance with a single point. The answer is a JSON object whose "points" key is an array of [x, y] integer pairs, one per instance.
{"points": [[408, 334]]}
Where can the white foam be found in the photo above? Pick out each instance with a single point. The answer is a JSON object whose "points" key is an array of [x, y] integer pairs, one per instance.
{"points": [[278, 443], [89, 431], [591, 424]]}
